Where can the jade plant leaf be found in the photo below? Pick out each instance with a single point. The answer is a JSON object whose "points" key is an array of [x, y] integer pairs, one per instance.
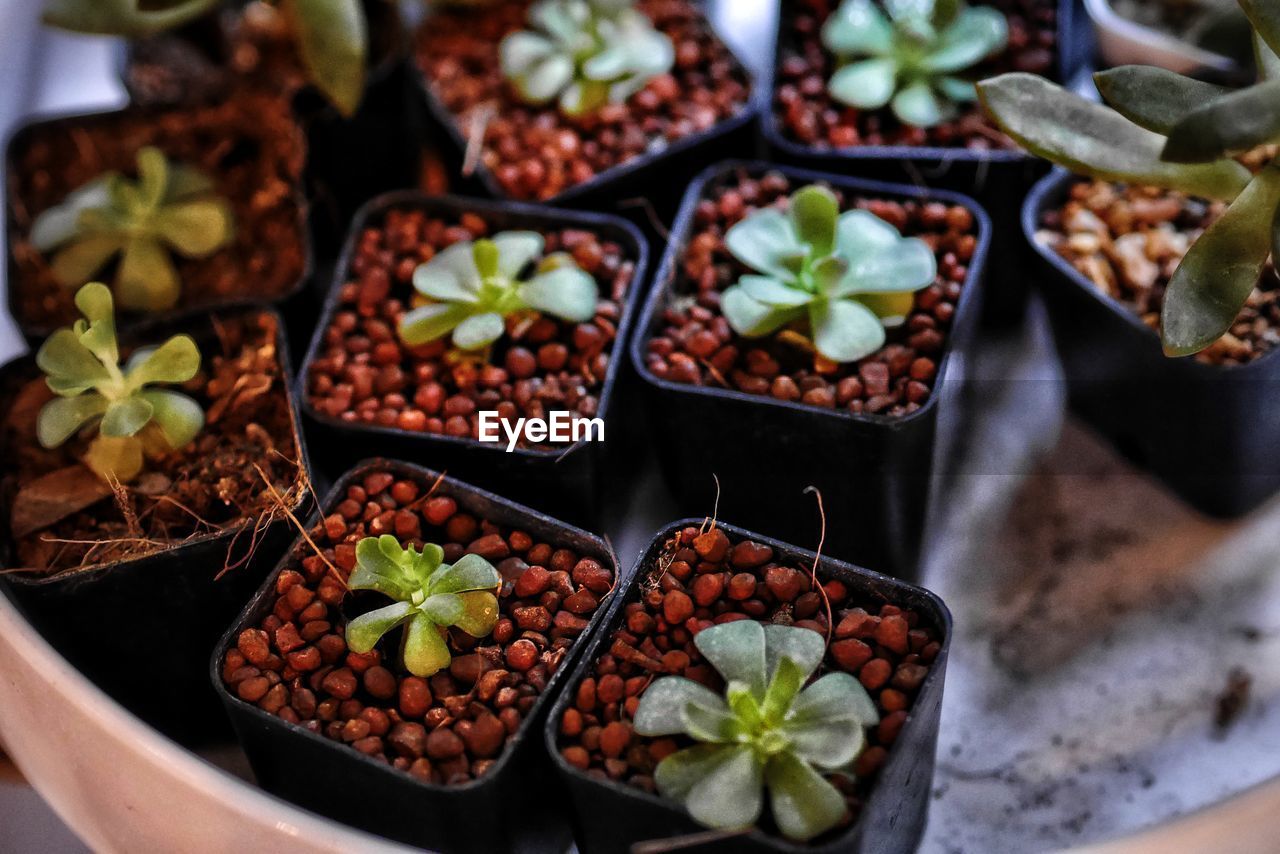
{"points": [[81, 367], [1095, 140], [1221, 268], [170, 208], [430, 597], [1226, 125], [333, 40], [765, 734], [1154, 98], [909, 59], [584, 53], [132, 18], [832, 270], [472, 287]]}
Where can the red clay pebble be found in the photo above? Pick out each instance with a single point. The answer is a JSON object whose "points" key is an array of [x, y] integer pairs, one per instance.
{"points": [[677, 607], [707, 588], [380, 682], [408, 739], [742, 586], [749, 555], [892, 633], [485, 736], [522, 655], [712, 546], [590, 574], [615, 738], [532, 581], [577, 757], [851, 654], [340, 683], [444, 743], [784, 583], [875, 674]]}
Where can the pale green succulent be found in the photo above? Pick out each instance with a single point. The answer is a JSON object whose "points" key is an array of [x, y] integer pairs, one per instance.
{"points": [[472, 287], [332, 35], [910, 59], [430, 595], [766, 732], [132, 418], [1166, 130], [169, 208], [586, 53], [848, 275]]}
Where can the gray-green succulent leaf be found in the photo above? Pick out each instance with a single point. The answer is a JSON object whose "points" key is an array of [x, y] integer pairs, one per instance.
{"points": [[766, 733]]}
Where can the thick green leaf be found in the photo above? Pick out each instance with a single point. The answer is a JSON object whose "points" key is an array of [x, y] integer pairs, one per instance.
{"points": [[81, 259], [752, 318], [147, 280], [881, 261], [662, 704], [771, 292], [544, 80], [568, 293], [835, 695], [63, 356], [1226, 125], [1265, 17], [175, 361], [867, 85], [803, 647], [709, 724], [333, 40], [126, 417], [179, 417], [379, 567], [364, 632], [857, 28], [814, 210], [1221, 269], [196, 229], [736, 650], [479, 330], [444, 609], [425, 650], [975, 34], [451, 276], [1153, 97], [516, 250], [731, 794], [471, 572], [131, 18], [917, 105], [763, 241], [1094, 140], [802, 802], [153, 177], [831, 743], [115, 458], [479, 613], [60, 223], [676, 775], [520, 51], [783, 687], [845, 330], [63, 416], [429, 322], [582, 97]]}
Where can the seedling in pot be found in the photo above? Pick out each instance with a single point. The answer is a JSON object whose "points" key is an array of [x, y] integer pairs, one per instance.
{"points": [[765, 732], [585, 54], [909, 60], [1167, 130], [846, 275], [169, 208], [132, 419], [332, 35], [430, 595], [472, 289]]}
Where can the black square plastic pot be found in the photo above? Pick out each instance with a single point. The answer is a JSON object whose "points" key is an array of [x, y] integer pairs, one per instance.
{"points": [[1208, 431], [998, 179], [874, 471], [564, 479], [610, 816], [142, 628], [510, 808], [656, 178], [349, 160], [289, 301]]}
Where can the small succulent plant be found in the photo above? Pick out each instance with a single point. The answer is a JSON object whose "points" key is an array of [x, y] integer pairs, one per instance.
{"points": [[169, 207], [430, 595], [133, 419], [586, 53], [765, 732], [1163, 129], [332, 35], [909, 59], [470, 289], [848, 274]]}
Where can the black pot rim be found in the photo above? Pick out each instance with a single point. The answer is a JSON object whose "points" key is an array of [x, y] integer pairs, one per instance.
{"points": [[621, 597], [536, 213], [600, 180], [910, 153], [1046, 192], [337, 750], [230, 533], [19, 133], [665, 274]]}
